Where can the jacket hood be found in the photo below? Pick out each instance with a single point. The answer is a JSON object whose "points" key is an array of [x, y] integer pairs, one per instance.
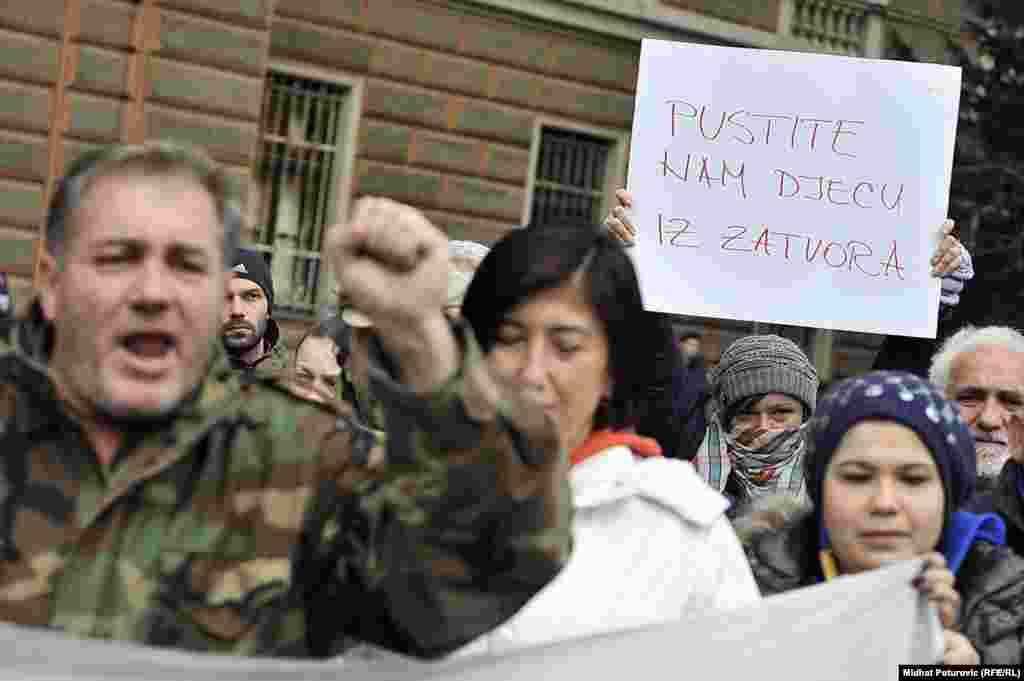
{"points": [[616, 474], [601, 440], [272, 334], [783, 558]]}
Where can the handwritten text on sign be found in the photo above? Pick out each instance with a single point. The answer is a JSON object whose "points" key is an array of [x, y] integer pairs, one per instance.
{"points": [[791, 188]]}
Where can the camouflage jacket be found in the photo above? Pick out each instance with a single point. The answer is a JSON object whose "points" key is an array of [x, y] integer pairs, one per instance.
{"points": [[367, 407], [268, 365], [250, 524]]}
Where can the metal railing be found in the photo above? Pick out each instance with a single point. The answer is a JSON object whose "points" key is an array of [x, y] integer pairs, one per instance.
{"points": [[834, 26], [296, 174], [570, 177]]}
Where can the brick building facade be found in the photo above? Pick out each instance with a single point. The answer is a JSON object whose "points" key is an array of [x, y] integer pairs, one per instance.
{"points": [[482, 113]]}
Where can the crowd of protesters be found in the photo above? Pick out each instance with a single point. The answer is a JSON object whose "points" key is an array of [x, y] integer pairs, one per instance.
{"points": [[483, 449]]}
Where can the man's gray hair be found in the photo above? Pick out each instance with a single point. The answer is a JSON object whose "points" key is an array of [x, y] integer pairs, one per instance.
{"points": [[161, 158], [968, 339]]}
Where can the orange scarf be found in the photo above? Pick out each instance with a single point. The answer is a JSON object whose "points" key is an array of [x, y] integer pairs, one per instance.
{"points": [[601, 440]]}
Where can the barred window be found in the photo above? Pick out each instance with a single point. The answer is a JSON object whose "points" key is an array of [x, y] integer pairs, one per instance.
{"points": [[296, 172], [570, 177]]}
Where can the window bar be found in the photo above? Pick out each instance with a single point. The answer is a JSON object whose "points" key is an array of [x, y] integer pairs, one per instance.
{"points": [[327, 105], [334, 122], [539, 198], [584, 154], [314, 155], [315, 99], [547, 154], [557, 160], [597, 174], [331, 117], [321, 183], [301, 183], [269, 110], [311, 224], [288, 111], [581, 164], [573, 177], [277, 158], [310, 177], [589, 156], [272, 188], [281, 177], [565, 176], [320, 133], [551, 152], [283, 109], [266, 193], [555, 163]]}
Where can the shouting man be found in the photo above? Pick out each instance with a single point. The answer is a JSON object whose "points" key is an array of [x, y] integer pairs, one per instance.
{"points": [[148, 494]]}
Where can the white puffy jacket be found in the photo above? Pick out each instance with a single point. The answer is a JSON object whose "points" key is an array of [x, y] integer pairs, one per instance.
{"points": [[651, 544]]}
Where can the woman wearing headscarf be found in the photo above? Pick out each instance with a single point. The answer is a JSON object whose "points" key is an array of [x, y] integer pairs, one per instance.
{"points": [[888, 466], [557, 311], [762, 393]]}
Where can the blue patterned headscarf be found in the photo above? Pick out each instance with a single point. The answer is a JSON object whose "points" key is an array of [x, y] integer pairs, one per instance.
{"points": [[909, 400]]}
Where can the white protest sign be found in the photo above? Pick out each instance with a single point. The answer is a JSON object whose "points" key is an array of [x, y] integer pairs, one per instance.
{"points": [[791, 188], [852, 628]]}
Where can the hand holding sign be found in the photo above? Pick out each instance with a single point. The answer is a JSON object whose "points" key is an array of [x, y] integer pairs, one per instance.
{"points": [[619, 222]]}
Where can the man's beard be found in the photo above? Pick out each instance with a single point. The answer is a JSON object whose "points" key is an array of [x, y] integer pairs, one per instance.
{"points": [[239, 345], [991, 458]]}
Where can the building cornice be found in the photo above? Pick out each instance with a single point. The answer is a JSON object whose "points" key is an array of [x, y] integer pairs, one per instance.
{"points": [[634, 20]]}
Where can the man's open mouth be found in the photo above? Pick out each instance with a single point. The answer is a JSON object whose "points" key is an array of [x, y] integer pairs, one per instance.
{"points": [[149, 345]]}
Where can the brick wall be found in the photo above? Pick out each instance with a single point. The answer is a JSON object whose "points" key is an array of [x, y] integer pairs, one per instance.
{"points": [[450, 102], [451, 98], [78, 73]]}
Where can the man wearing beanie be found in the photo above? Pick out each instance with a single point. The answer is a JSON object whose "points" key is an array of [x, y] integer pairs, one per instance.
{"points": [[248, 331], [762, 392]]}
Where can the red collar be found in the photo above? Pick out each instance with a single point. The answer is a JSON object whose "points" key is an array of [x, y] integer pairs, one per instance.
{"points": [[601, 440]]}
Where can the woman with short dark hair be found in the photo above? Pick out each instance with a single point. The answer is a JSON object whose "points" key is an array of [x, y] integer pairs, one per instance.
{"points": [[557, 310]]}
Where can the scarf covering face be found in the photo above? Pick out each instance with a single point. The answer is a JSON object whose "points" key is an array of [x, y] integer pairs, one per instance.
{"points": [[776, 466], [750, 368]]}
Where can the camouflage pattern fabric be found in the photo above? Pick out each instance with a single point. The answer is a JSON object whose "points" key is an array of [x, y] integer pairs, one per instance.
{"points": [[368, 408], [269, 365], [251, 522]]}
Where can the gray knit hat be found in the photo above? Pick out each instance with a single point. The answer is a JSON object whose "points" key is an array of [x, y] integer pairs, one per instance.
{"points": [[755, 365]]}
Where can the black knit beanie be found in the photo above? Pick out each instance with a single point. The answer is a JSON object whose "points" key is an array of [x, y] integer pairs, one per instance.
{"points": [[252, 265]]}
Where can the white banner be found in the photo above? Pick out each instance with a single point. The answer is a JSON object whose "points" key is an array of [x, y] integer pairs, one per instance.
{"points": [[791, 188], [854, 628]]}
